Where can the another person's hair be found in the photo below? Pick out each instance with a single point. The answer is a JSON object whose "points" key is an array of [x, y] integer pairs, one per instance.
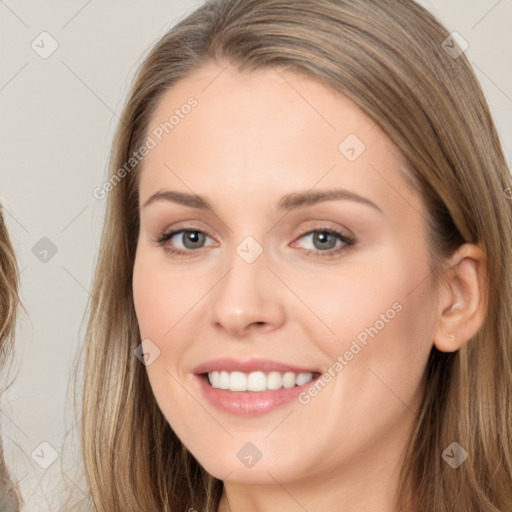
{"points": [[388, 57], [9, 499]]}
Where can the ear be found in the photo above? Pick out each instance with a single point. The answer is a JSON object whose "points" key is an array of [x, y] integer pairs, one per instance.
{"points": [[463, 297]]}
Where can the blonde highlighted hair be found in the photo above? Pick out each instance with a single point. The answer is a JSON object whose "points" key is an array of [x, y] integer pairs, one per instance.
{"points": [[9, 499], [386, 56]]}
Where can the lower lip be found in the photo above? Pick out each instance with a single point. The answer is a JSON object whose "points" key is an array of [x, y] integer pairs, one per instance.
{"points": [[249, 403]]}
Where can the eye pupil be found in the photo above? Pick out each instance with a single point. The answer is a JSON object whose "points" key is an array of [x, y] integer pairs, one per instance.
{"points": [[323, 238], [196, 238]]}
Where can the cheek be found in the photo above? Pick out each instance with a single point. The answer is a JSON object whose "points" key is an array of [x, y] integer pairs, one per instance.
{"points": [[346, 301], [161, 297], [167, 303], [160, 301], [376, 319]]}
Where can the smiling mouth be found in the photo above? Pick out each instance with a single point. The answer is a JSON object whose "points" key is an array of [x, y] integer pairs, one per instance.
{"points": [[257, 381]]}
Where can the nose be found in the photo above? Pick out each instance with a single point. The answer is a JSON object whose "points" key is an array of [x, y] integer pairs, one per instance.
{"points": [[247, 299]]}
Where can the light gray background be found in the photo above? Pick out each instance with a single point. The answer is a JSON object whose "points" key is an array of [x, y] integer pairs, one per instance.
{"points": [[57, 120]]}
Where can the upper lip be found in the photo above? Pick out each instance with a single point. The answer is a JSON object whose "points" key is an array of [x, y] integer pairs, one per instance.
{"points": [[248, 366]]}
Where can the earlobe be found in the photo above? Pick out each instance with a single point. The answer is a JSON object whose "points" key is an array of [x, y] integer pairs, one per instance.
{"points": [[463, 302]]}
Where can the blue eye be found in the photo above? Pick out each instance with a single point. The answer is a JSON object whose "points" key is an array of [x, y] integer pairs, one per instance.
{"points": [[322, 240], [190, 239], [326, 242]]}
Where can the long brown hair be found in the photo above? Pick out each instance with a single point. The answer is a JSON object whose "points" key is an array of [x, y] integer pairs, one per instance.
{"points": [[9, 499], [389, 58]]}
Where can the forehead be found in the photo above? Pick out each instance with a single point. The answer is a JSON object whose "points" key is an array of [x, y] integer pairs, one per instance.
{"points": [[271, 128], [228, 99]]}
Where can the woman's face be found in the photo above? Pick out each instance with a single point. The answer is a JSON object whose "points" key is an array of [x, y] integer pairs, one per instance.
{"points": [[304, 252]]}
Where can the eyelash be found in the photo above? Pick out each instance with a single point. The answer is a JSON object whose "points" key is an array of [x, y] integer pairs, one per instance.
{"points": [[348, 242]]}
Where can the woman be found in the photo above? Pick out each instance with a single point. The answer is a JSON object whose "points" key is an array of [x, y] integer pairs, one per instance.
{"points": [[304, 288], [9, 501]]}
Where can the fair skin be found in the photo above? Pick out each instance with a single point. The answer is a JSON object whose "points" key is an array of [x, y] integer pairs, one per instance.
{"points": [[251, 140]]}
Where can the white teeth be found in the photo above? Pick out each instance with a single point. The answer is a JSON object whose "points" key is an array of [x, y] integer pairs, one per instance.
{"points": [[257, 381], [223, 380], [238, 381], [303, 378], [289, 380], [214, 379], [274, 380]]}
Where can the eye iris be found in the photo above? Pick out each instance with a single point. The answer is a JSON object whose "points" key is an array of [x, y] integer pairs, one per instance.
{"points": [[196, 239], [323, 238]]}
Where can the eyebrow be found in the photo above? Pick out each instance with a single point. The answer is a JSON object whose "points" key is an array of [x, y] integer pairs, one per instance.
{"points": [[288, 202]]}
